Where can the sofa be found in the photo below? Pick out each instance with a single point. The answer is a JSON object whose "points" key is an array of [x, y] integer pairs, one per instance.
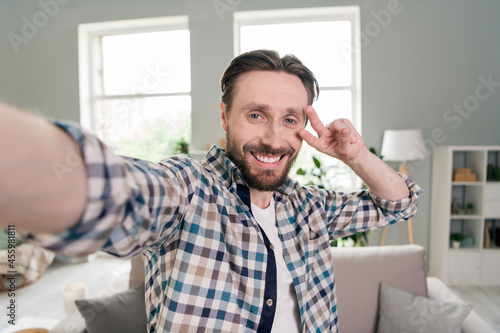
{"points": [[360, 273]]}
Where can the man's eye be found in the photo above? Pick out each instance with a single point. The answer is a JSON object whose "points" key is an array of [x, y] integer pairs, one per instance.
{"points": [[254, 116], [290, 121]]}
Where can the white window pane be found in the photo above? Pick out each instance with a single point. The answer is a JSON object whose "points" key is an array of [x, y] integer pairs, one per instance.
{"points": [[324, 47], [334, 104], [146, 63], [145, 128]]}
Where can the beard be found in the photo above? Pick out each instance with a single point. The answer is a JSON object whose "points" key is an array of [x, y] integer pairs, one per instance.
{"points": [[263, 179]]}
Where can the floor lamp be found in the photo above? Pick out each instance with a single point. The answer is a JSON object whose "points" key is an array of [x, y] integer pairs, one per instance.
{"points": [[402, 146]]}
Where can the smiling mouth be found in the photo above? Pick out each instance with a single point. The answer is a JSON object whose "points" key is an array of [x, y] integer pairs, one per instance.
{"points": [[267, 159]]}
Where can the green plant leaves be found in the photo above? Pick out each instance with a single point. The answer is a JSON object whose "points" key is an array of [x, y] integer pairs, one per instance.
{"points": [[316, 162]]}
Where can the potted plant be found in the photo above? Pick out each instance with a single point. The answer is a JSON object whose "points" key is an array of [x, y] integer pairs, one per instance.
{"points": [[469, 208], [181, 147], [456, 240]]}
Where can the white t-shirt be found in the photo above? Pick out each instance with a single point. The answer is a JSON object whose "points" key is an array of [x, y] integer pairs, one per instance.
{"points": [[287, 318]]}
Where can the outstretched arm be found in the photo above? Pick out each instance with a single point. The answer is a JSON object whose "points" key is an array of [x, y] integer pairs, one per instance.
{"points": [[42, 175], [340, 139]]}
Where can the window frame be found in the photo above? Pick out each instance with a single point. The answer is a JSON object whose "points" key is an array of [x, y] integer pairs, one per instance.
{"points": [[318, 14], [89, 51]]}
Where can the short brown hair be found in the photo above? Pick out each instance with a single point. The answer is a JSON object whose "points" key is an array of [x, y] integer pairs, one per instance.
{"points": [[266, 60]]}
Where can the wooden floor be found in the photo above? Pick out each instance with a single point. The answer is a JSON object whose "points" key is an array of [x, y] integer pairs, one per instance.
{"points": [[485, 301], [107, 275]]}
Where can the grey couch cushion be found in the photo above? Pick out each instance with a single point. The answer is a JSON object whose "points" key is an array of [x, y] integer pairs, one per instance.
{"points": [[436, 289], [358, 273], [123, 312], [75, 323], [400, 311]]}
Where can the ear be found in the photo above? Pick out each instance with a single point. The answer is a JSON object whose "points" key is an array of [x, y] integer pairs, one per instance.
{"points": [[223, 116]]}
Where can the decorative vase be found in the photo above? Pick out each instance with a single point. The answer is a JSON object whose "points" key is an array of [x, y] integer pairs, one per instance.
{"points": [[455, 244], [468, 241]]}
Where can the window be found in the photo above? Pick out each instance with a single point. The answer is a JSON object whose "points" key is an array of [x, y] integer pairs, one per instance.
{"points": [[323, 38], [135, 84]]}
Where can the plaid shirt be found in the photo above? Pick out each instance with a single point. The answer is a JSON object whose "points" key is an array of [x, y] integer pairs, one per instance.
{"points": [[208, 264]]}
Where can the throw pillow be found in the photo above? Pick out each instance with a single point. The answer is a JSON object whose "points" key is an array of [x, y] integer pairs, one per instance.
{"points": [[123, 312], [402, 312]]}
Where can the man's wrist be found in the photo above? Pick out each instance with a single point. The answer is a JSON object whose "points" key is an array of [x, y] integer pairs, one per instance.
{"points": [[361, 160]]}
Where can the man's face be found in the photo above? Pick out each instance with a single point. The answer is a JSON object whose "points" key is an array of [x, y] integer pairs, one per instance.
{"points": [[262, 127]]}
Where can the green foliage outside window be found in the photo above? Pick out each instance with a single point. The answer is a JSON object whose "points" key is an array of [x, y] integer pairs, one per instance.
{"points": [[156, 140]]}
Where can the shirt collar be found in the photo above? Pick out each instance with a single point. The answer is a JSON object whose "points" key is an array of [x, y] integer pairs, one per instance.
{"points": [[229, 173]]}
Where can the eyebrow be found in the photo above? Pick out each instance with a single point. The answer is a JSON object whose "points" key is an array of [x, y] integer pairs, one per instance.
{"points": [[298, 112], [265, 107], [256, 106]]}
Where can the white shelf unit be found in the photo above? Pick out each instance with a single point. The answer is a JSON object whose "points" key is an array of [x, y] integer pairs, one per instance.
{"points": [[474, 264]]}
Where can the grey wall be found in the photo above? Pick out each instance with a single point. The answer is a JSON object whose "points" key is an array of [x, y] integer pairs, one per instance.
{"points": [[415, 66]]}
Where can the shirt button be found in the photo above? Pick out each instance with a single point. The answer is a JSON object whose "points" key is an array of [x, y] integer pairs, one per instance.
{"points": [[271, 247], [226, 184], [269, 302]]}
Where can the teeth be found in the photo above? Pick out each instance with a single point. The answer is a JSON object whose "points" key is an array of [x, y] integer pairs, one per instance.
{"points": [[266, 159]]}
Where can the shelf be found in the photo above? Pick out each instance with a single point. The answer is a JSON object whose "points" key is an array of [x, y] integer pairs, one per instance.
{"points": [[465, 217], [465, 250], [493, 161], [493, 233], [493, 249], [475, 160], [467, 183], [472, 229], [473, 264], [464, 194]]}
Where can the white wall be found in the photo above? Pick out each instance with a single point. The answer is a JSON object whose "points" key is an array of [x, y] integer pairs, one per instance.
{"points": [[415, 66]]}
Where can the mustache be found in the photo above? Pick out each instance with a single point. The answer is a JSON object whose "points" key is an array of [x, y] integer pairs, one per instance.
{"points": [[263, 149]]}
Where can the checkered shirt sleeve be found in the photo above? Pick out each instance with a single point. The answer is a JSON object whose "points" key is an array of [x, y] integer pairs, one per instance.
{"points": [[131, 204], [363, 211]]}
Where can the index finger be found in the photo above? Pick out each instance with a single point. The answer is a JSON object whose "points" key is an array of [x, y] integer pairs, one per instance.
{"points": [[316, 123]]}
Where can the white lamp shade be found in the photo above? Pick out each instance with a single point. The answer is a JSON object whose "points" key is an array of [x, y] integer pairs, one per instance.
{"points": [[403, 145]]}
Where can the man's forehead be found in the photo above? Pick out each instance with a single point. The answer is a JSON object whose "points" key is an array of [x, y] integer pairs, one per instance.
{"points": [[263, 76], [281, 82]]}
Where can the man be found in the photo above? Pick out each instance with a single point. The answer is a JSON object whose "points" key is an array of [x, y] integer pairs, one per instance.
{"points": [[230, 244]]}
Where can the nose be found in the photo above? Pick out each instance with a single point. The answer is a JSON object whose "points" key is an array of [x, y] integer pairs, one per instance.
{"points": [[271, 135]]}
